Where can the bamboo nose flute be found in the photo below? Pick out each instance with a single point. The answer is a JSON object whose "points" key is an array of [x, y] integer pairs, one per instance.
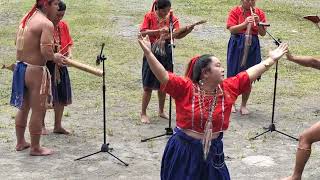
{"points": [[248, 41], [72, 63], [314, 19]]}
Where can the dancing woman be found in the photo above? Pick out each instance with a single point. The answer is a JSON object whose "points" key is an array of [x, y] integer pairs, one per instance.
{"points": [[203, 106]]}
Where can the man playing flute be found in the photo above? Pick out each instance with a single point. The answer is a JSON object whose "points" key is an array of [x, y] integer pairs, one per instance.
{"points": [[31, 79]]}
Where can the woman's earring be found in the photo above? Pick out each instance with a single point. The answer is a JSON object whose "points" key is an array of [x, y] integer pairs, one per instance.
{"points": [[201, 82]]}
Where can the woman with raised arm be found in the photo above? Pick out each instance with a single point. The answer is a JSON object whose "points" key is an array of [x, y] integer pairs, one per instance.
{"points": [[203, 106]]}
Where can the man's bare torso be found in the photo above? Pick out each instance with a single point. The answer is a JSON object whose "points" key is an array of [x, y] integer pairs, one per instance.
{"points": [[31, 52]]}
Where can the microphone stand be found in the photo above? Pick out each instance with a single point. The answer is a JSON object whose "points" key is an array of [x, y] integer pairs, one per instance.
{"points": [[168, 130], [272, 126], [105, 146]]}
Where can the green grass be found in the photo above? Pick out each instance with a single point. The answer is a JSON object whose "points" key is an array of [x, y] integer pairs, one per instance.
{"points": [[93, 22]]}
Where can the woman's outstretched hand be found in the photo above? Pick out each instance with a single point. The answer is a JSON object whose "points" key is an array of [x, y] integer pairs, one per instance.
{"points": [[256, 71], [279, 52], [144, 43]]}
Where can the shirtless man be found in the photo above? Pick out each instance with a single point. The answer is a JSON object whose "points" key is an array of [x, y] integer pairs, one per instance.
{"points": [[310, 135], [31, 79]]}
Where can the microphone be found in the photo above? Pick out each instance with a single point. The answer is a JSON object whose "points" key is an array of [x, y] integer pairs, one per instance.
{"points": [[101, 56], [263, 24]]}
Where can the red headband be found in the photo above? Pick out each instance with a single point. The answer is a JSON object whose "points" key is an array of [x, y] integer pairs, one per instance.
{"points": [[153, 8], [30, 13], [192, 62]]}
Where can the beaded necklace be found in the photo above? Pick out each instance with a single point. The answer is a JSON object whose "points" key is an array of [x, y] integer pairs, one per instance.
{"points": [[57, 38], [57, 47], [201, 103], [161, 21], [206, 141], [212, 101]]}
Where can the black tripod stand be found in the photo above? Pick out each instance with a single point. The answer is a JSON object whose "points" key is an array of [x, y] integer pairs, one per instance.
{"points": [[105, 146], [272, 126], [168, 130]]}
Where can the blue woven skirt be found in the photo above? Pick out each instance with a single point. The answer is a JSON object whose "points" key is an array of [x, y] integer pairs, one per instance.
{"points": [[148, 78], [235, 53], [18, 85], [183, 159], [61, 90]]}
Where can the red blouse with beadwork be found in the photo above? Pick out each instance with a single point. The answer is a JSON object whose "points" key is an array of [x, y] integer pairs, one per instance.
{"points": [[183, 91], [63, 38], [238, 16], [151, 22]]}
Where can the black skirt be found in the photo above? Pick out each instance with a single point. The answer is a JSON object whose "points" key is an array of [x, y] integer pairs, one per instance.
{"points": [[61, 89], [148, 78]]}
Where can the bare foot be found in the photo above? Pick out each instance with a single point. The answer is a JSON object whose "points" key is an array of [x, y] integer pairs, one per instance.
{"points": [[23, 146], [42, 151], [287, 178], [291, 178], [145, 119], [44, 131], [163, 115], [61, 131], [244, 110], [234, 108]]}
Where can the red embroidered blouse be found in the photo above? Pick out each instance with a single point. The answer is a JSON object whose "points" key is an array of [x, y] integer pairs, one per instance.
{"points": [[150, 22], [65, 37], [237, 16], [181, 89]]}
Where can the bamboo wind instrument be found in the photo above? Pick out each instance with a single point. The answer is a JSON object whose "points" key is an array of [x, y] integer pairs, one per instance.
{"points": [[254, 22], [247, 43], [84, 67], [314, 19], [158, 46], [71, 63], [8, 67], [184, 29]]}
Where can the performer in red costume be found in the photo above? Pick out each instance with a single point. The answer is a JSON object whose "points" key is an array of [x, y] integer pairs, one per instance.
{"points": [[203, 106], [61, 86]]}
